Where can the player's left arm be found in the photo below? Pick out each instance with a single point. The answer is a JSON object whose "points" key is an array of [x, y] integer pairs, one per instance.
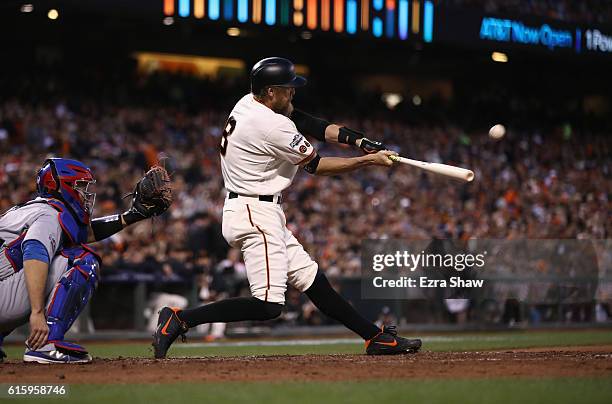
{"points": [[325, 131], [152, 196], [104, 227]]}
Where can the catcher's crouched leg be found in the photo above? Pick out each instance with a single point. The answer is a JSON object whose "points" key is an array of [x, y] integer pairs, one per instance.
{"points": [[67, 300]]}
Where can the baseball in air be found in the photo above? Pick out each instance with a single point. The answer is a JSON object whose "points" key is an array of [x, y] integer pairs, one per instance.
{"points": [[497, 132]]}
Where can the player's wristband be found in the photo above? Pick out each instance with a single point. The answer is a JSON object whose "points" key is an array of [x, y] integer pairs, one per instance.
{"points": [[349, 136], [104, 227], [312, 165], [309, 125]]}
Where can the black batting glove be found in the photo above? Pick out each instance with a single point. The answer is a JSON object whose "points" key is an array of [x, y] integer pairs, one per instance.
{"points": [[371, 146]]}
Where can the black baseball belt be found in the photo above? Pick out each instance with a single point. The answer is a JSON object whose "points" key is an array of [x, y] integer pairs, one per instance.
{"points": [[264, 198]]}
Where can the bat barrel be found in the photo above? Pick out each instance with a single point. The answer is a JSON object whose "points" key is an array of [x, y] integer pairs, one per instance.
{"points": [[437, 168]]}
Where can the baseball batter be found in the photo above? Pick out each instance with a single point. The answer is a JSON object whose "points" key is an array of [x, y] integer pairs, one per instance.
{"points": [[47, 273], [261, 150]]}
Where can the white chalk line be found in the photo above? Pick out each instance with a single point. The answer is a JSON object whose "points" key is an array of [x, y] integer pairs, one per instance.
{"points": [[316, 342]]}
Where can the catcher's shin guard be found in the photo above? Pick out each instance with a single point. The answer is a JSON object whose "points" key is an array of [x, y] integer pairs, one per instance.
{"points": [[71, 295]]}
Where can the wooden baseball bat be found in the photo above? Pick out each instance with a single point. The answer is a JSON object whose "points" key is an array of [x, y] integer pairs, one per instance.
{"points": [[442, 169]]}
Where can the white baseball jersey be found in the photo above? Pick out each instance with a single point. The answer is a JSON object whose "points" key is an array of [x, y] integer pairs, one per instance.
{"points": [[34, 221], [260, 150], [260, 154]]}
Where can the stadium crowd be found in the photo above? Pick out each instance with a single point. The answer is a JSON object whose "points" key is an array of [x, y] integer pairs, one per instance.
{"points": [[533, 184]]}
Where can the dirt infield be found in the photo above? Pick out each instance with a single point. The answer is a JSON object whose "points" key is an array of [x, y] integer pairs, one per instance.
{"points": [[563, 362]]}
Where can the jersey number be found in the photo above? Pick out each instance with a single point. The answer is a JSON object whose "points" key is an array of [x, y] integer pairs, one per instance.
{"points": [[230, 125]]}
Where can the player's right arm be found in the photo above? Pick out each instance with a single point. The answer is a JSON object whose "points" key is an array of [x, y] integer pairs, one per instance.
{"points": [[40, 244], [338, 165], [325, 131], [36, 280]]}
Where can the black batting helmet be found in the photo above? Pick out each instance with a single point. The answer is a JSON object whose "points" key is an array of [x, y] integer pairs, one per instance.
{"points": [[274, 71]]}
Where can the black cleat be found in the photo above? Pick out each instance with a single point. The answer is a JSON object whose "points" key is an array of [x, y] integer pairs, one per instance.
{"points": [[169, 327], [2, 355], [387, 342]]}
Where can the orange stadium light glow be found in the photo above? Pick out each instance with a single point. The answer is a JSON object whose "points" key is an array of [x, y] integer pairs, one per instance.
{"points": [[365, 14], [298, 19], [311, 14], [338, 15], [325, 15], [168, 7], [298, 15], [257, 11], [416, 16], [390, 4], [198, 8]]}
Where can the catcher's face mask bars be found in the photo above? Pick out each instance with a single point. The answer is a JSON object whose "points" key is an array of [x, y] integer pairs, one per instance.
{"points": [[88, 198]]}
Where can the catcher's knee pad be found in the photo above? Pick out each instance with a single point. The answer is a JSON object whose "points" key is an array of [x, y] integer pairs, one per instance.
{"points": [[72, 292]]}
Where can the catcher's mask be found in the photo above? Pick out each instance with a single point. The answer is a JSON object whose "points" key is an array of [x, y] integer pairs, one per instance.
{"points": [[69, 181]]}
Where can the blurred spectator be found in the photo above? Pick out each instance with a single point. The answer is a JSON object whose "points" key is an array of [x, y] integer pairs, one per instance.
{"points": [[386, 318], [157, 302], [539, 182]]}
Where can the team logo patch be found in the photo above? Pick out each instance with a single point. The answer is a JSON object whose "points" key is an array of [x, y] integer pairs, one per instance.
{"points": [[303, 149], [297, 139]]}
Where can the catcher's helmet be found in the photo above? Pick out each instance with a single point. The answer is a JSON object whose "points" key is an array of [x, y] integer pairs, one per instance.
{"points": [[68, 180], [274, 71]]}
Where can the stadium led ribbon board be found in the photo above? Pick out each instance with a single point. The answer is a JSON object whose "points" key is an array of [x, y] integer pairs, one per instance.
{"points": [[543, 35], [473, 28], [394, 19]]}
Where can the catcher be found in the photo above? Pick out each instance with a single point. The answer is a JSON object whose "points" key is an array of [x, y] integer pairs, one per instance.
{"points": [[47, 271]]}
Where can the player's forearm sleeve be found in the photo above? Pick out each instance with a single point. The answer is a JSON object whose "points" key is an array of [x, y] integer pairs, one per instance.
{"points": [[349, 136], [310, 125], [35, 250], [104, 227]]}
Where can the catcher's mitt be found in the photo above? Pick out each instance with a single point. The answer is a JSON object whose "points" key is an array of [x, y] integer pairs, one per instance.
{"points": [[152, 195]]}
